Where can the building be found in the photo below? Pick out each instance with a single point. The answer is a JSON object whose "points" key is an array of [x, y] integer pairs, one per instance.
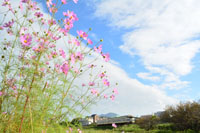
{"points": [[159, 113], [127, 119], [99, 121]]}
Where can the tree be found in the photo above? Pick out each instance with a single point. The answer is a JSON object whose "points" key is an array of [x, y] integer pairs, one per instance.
{"points": [[184, 116], [147, 122]]}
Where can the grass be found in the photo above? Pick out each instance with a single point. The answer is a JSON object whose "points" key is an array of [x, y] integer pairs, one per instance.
{"points": [[132, 128], [109, 129]]}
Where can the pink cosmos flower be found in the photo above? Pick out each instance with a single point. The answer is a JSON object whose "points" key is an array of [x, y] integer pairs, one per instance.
{"points": [[91, 65], [22, 31], [26, 39], [94, 92], [106, 57], [65, 68], [82, 34], [9, 24], [49, 57], [72, 59], [24, 1], [1, 28], [76, 42], [105, 96], [64, 31], [43, 21], [75, 1], [54, 54], [6, 2], [79, 56], [42, 69], [79, 131], [66, 13], [33, 57], [68, 24], [9, 31], [49, 33], [55, 38], [70, 129], [105, 82], [51, 22], [101, 75], [72, 16], [4, 113], [49, 2], [32, 5], [112, 97], [115, 91], [57, 66], [39, 48], [38, 14], [62, 53], [14, 87], [1, 93], [98, 49], [70, 42], [76, 70], [114, 125], [64, 1], [83, 84], [21, 6], [91, 83], [52, 46], [53, 9], [89, 41]]}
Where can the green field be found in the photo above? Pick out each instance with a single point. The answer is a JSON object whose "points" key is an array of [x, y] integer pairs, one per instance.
{"points": [[133, 128]]}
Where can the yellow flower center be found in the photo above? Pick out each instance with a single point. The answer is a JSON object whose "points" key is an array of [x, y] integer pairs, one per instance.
{"points": [[25, 41]]}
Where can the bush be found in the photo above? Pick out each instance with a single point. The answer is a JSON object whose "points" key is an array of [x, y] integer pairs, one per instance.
{"points": [[161, 131], [165, 126], [184, 116], [130, 128], [147, 122]]}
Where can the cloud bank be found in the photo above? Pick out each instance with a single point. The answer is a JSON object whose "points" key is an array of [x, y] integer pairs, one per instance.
{"points": [[164, 34], [134, 97]]}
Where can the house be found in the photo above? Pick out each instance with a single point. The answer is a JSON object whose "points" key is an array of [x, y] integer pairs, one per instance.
{"points": [[159, 113], [99, 121], [127, 119], [85, 122]]}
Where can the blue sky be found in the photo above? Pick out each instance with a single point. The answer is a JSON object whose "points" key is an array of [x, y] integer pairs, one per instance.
{"points": [[155, 44]]}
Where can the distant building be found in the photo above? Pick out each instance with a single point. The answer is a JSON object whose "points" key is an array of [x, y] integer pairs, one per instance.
{"points": [[85, 122], [146, 116], [127, 119], [159, 113]]}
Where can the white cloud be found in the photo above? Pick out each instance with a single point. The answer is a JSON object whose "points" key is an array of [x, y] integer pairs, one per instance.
{"points": [[134, 97], [162, 33], [148, 76]]}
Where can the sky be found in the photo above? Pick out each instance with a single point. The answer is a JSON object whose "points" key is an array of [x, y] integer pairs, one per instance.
{"points": [[154, 47]]}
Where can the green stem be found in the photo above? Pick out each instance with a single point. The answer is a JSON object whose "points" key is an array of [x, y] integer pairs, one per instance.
{"points": [[27, 97]]}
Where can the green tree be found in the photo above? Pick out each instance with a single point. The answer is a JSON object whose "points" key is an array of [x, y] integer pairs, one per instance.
{"points": [[184, 116]]}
